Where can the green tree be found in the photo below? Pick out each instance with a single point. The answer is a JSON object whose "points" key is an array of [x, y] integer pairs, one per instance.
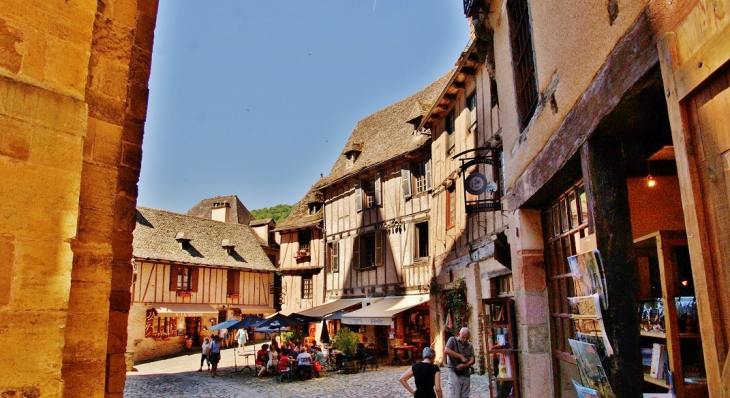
{"points": [[346, 341], [278, 212]]}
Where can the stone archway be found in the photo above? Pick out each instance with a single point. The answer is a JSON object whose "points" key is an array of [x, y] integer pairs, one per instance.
{"points": [[73, 101]]}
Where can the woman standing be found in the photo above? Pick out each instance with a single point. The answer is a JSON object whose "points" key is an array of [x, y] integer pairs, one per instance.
{"points": [[427, 377], [215, 354], [241, 337], [206, 352]]}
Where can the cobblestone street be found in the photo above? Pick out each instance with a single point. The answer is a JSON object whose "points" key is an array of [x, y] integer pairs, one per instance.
{"points": [[178, 377]]}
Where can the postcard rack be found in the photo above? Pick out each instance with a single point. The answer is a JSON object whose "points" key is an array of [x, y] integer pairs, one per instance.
{"points": [[502, 356]]}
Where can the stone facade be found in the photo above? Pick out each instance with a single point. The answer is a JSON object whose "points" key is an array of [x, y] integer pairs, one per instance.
{"points": [[73, 89]]}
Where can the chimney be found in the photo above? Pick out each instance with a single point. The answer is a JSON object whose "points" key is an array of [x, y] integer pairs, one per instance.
{"points": [[220, 211]]}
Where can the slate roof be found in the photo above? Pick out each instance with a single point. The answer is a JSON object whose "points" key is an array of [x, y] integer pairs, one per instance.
{"points": [[239, 213], [154, 238], [299, 216], [257, 223], [386, 134]]}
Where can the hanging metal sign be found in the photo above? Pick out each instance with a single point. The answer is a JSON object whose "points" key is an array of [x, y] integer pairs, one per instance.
{"points": [[476, 183]]}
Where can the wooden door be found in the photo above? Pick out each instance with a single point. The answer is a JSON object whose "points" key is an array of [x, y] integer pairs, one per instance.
{"points": [[696, 73]]}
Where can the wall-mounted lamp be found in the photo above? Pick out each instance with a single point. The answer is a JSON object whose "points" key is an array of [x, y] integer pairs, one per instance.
{"points": [[650, 181]]}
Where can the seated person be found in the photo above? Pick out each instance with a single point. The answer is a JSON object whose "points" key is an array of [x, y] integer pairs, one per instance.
{"points": [[271, 362], [311, 348], [318, 356], [304, 364], [360, 355], [283, 364], [262, 355]]}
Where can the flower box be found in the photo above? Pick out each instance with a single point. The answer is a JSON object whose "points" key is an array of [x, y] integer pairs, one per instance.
{"points": [[233, 295], [183, 293]]}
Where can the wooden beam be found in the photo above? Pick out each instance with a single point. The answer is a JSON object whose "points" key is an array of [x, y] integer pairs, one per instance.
{"points": [[458, 84], [632, 57], [608, 202], [468, 71], [450, 96], [707, 60]]}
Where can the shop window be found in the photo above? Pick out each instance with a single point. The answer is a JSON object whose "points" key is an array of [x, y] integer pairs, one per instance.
{"points": [[307, 286], [368, 250], [562, 241], [183, 279], [334, 256], [233, 282], [160, 328], [471, 105], [450, 207], [422, 240], [449, 130], [523, 59]]}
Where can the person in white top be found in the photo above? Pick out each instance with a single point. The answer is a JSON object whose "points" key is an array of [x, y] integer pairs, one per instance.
{"points": [[204, 357], [304, 364], [241, 337]]}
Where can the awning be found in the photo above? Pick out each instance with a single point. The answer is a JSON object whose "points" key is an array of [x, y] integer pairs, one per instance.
{"points": [[333, 306], [255, 309], [381, 313], [183, 310]]}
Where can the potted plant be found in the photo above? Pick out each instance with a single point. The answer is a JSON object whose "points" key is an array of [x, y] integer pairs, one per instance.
{"points": [[346, 341]]}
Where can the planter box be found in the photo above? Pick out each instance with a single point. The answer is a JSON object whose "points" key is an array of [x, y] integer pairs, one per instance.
{"points": [[233, 295], [184, 294]]}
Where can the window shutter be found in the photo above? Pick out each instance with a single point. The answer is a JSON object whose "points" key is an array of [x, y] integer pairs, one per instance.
{"points": [[336, 257], [173, 277], [405, 175], [356, 252], [230, 283], [377, 190], [194, 279], [429, 186], [358, 194], [379, 248]]}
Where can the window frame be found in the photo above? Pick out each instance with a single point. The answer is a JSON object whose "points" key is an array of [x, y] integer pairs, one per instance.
{"points": [[523, 60], [233, 282], [369, 194], [471, 105], [362, 251], [450, 206], [307, 287], [418, 174], [334, 257], [419, 242]]}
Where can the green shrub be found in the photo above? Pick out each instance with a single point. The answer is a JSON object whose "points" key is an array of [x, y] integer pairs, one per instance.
{"points": [[346, 341], [296, 336]]}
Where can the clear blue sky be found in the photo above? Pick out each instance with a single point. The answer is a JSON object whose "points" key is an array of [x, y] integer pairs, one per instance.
{"points": [[257, 98]]}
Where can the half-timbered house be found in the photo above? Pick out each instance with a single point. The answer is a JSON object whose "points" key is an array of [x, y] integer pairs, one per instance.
{"points": [[469, 242], [376, 219], [192, 273]]}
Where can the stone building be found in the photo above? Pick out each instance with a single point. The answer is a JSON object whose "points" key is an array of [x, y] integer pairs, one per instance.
{"points": [[614, 126], [192, 273]]}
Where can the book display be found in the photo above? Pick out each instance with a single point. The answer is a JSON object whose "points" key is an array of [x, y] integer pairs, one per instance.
{"points": [[502, 364], [670, 339]]}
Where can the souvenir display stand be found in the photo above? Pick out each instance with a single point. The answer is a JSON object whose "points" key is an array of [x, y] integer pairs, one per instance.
{"points": [[670, 335], [502, 358]]}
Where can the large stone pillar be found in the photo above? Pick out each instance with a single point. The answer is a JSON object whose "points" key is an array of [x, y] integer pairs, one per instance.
{"points": [[531, 304]]}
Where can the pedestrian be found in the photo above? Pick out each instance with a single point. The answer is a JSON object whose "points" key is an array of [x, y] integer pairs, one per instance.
{"points": [[460, 356], [206, 352], [215, 354], [426, 375], [242, 338]]}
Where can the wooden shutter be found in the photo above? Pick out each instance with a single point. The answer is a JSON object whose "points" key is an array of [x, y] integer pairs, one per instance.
{"points": [[379, 248], [335, 266], [193, 276], [358, 195], [405, 175], [356, 252], [377, 190], [429, 185], [233, 281], [173, 277]]}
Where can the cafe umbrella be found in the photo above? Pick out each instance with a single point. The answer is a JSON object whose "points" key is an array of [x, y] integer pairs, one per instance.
{"points": [[228, 325]]}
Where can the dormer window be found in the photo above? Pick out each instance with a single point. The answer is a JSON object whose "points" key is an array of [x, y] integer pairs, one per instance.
{"points": [[351, 158], [314, 208], [352, 151], [183, 240]]}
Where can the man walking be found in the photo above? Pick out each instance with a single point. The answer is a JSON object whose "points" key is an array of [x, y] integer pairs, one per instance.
{"points": [[460, 356]]}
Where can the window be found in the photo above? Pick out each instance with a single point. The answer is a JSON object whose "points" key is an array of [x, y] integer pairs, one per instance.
{"points": [[471, 104], [304, 238], [523, 59], [368, 250], [233, 282], [565, 223], [419, 177], [369, 194], [504, 285], [307, 286], [334, 256], [422, 240], [314, 208], [351, 158], [450, 207], [183, 279], [449, 130]]}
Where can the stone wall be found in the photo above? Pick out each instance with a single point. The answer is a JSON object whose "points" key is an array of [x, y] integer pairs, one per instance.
{"points": [[73, 98], [145, 348]]}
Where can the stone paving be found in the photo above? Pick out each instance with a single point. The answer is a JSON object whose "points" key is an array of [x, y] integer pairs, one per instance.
{"points": [[178, 377]]}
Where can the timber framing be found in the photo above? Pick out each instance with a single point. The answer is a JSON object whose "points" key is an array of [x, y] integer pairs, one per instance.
{"points": [[634, 55]]}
